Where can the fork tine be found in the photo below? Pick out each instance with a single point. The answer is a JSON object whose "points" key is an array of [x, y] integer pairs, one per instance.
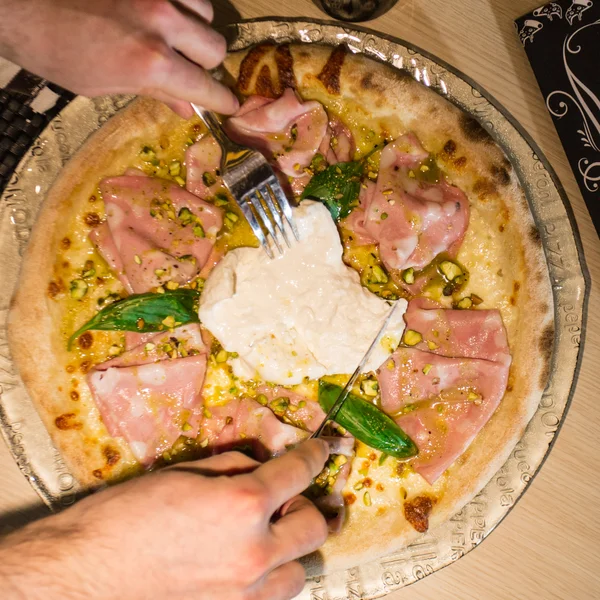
{"points": [[265, 192], [266, 221], [283, 203], [254, 225]]}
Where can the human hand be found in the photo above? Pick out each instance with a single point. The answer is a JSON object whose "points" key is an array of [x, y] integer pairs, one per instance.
{"points": [[186, 532], [92, 47]]}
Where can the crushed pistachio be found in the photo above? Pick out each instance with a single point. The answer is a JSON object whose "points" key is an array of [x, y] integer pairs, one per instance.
{"points": [[186, 216], [412, 337], [137, 260], [222, 356], [427, 368], [369, 387], [78, 289], [378, 275], [115, 350], [367, 499], [464, 303], [147, 153], [432, 345], [169, 321], [208, 178], [408, 275], [340, 460], [450, 270], [172, 285]]}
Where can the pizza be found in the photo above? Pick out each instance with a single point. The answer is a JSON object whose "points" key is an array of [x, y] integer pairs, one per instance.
{"points": [[149, 326]]}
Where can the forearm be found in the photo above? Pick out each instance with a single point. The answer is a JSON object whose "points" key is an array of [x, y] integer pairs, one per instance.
{"points": [[41, 562]]}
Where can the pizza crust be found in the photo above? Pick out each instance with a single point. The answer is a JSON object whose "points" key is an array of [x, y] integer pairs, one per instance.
{"points": [[368, 96]]}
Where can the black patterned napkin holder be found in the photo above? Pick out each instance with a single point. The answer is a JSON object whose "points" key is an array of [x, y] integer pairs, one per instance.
{"points": [[562, 41]]}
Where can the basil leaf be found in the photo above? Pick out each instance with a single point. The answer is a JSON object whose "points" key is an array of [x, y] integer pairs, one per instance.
{"points": [[144, 313], [367, 423], [337, 187]]}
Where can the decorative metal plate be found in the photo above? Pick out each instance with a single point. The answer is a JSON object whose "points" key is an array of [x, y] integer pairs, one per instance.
{"points": [[42, 465]]}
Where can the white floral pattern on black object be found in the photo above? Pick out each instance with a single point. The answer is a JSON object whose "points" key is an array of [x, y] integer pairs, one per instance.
{"points": [[588, 104]]}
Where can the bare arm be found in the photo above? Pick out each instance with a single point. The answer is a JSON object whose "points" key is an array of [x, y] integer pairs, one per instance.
{"points": [[199, 531], [92, 47]]}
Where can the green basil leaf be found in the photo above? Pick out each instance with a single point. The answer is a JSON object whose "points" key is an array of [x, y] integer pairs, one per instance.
{"points": [[337, 187], [367, 423], [144, 313]]}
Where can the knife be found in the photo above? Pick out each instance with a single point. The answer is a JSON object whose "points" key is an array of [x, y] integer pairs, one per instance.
{"points": [[337, 405]]}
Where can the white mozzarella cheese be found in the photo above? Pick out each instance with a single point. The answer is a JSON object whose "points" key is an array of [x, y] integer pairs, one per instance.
{"points": [[303, 314]]}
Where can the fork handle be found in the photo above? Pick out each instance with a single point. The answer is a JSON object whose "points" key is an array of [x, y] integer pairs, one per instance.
{"points": [[209, 118]]}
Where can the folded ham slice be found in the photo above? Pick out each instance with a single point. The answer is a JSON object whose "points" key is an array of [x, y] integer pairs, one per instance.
{"points": [[246, 424], [202, 161], [150, 405], [146, 250], [355, 221], [337, 144], [102, 238], [152, 347], [442, 397], [306, 414], [458, 333], [287, 131], [411, 220]]}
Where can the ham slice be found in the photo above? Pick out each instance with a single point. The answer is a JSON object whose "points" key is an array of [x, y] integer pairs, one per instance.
{"points": [[411, 220], [338, 144], [287, 131], [102, 238], [355, 221], [306, 414], [444, 396], [153, 347], [203, 157], [146, 251], [246, 424], [458, 333], [149, 398], [150, 405]]}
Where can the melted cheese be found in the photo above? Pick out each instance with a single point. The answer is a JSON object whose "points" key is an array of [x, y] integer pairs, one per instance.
{"points": [[301, 315]]}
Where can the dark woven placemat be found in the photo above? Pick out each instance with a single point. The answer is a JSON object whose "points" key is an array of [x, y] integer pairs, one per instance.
{"points": [[20, 124]]}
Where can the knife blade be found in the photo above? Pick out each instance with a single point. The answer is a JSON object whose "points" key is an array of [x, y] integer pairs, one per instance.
{"points": [[335, 409]]}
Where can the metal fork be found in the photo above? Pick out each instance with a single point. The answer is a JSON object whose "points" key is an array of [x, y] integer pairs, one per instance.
{"points": [[254, 186]]}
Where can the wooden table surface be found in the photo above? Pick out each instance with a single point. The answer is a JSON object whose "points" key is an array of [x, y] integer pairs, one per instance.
{"points": [[549, 545]]}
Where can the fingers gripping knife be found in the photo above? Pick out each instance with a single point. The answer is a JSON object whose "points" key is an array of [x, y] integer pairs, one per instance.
{"points": [[254, 187]]}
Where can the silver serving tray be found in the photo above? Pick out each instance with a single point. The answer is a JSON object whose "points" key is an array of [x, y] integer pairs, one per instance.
{"points": [[43, 466]]}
